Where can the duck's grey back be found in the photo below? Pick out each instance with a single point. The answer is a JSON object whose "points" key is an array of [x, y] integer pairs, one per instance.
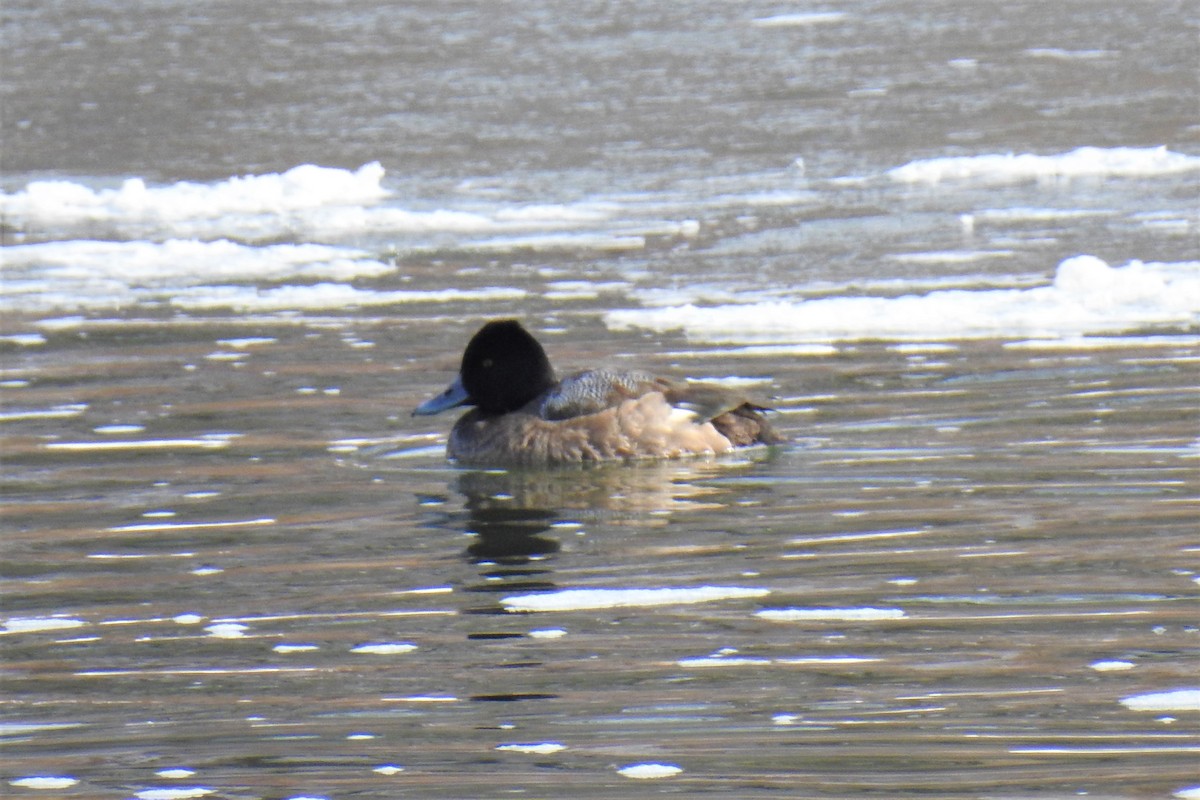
{"points": [[595, 390]]}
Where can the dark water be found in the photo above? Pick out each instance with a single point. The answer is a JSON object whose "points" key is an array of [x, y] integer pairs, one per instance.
{"points": [[234, 566], [1005, 520]]}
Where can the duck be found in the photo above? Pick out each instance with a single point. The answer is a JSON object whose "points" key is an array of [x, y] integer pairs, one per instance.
{"points": [[521, 414]]}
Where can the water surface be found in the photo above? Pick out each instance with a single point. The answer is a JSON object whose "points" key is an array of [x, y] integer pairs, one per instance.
{"points": [[953, 244]]}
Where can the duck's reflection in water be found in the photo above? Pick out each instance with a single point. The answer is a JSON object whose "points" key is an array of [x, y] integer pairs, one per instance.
{"points": [[509, 512], [505, 531]]}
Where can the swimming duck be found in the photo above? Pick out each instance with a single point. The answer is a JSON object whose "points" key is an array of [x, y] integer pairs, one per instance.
{"points": [[523, 416]]}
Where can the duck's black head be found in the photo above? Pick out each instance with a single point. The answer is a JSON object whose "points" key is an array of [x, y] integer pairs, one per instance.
{"points": [[504, 367]]}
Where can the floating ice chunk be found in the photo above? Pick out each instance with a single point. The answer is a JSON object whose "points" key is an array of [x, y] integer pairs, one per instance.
{"points": [[547, 633], [723, 661], [173, 794], [55, 412], [829, 614], [1189, 793], [206, 442], [384, 648], [802, 19], [602, 242], [1067, 55], [44, 782], [226, 630], [1037, 214], [1086, 296], [24, 339], [35, 624], [176, 773], [1104, 342], [1174, 700], [388, 769], [537, 748], [949, 256], [649, 771], [1084, 162], [189, 261], [1112, 666], [304, 187], [145, 527], [326, 295], [588, 599], [118, 429]]}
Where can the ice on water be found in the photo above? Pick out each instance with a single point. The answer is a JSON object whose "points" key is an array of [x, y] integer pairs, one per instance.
{"points": [[1086, 295], [292, 241]]}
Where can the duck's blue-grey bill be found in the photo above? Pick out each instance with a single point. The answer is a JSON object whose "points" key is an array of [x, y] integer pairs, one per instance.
{"points": [[455, 395]]}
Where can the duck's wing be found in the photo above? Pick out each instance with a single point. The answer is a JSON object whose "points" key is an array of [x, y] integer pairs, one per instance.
{"points": [[593, 391], [738, 419], [731, 413]]}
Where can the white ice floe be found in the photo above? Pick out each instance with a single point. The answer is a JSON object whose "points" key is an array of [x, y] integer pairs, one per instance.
{"points": [[534, 748], [37, 624], [649, 771], [588, 599], [723, 661], [1086, 296], [24, 339], [547, 633], [1174, 700], [384, 648], [56, 412], [99, 274], [184, 262], [306, 202], [1083, 162], [388, 769], [203, 443], [1058, 53], [830, 614], [227, 630], [44, 782], [173, 794], [198, 205], [1105, 342], [801, 19], [325, 295]]}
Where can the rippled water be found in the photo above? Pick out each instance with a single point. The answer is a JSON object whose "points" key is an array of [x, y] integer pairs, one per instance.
{"points": [[988, 551], [235, 566]]}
